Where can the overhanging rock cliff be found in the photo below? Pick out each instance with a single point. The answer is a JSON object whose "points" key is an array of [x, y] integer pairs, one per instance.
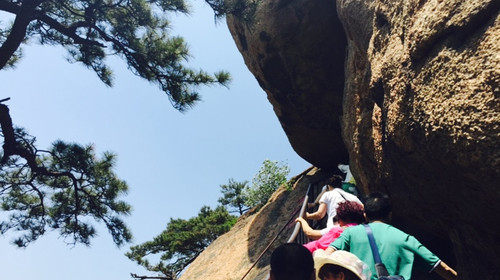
{"points": [[408, 91], [296, 51]]}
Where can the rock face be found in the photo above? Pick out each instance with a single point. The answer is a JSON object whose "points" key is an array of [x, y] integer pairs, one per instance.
{"points": [[296, 51], [236, 253], [408, 92], [424, 117]]}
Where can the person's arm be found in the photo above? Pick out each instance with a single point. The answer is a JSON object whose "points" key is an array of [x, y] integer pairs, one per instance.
{"points": [[319, 214], [443, 270], [308, 230], [341, 243], [318, 197], [330, 250]]}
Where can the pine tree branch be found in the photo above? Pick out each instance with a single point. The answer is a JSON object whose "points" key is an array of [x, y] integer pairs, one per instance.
{"points": [[24, 15], [151, 277], [11, 147], [70, 31]]}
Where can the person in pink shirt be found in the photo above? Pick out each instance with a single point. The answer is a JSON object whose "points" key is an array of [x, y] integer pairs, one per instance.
{"points": [[349, 213]]}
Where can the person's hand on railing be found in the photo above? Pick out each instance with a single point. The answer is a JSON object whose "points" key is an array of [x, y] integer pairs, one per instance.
{"points": [[300, 220], [306, 228]]}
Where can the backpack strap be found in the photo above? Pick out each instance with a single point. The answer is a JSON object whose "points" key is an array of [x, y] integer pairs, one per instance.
{"points": [[379, 266], [339, 192], [373, 245]]}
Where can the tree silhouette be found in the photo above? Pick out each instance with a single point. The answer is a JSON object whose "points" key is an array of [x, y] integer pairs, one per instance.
{"points": [[62, 187], [183, 241], [234, 196], [136, 31]]}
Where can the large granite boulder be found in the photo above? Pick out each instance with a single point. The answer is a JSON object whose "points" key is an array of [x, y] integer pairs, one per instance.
{"points": [[412, 87], [422, 117], [296, 51]]}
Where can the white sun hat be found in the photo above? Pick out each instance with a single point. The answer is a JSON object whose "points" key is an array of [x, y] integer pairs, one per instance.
{"points": [[343, 259]]}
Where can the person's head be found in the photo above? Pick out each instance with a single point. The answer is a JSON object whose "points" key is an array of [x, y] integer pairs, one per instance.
{"points": [[378, 207], [335, 272], [340, 265], [350, 212], [335, 182], [292, 261]]}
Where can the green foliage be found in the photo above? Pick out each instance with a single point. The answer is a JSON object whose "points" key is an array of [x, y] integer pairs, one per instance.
{"points": [[271, 175], [234, 196], [242, 9], [135, 30], [67, 187], [64, 189], [183, 241]]}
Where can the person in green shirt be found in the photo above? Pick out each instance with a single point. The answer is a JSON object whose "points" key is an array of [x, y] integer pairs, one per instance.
{"points": [[398, 250]]}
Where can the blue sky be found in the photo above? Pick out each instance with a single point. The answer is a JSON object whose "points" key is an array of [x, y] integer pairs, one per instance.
{"points": [[173, 162]]}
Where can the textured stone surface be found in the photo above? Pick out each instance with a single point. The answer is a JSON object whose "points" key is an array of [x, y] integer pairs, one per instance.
{"points": [[424, 117], [233, 254], [296, 51], [419, 109]]}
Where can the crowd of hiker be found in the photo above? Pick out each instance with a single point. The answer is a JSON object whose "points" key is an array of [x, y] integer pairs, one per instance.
{"points": [[357, 243]]}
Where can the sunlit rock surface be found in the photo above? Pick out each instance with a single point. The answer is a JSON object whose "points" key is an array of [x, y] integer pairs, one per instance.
{"points": [[422, 118], [409, 90], [236, 253]]}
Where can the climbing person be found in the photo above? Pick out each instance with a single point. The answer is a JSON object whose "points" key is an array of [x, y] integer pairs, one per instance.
{"points": [[398, 250], [340, 265], [329, 201], [291, 261], [349, 213], [349, 183]]}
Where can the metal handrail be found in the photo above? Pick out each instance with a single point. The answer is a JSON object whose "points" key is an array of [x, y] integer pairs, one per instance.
{"points": [[297, 232], [271, 243], [298, 235], [298, 229]]}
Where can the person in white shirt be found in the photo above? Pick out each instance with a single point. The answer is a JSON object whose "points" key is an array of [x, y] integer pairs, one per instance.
{"points": [[329, 201]]}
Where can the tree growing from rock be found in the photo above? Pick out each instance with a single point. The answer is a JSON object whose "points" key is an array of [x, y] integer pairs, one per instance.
{"points": [[234, 197], [271, 175], [182, 241]]}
